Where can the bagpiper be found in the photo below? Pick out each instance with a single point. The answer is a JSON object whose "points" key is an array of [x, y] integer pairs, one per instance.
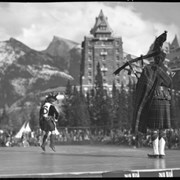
{"points": [[152, 99]]}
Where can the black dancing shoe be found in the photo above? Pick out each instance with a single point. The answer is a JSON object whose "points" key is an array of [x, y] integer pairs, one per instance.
{"points": [[153, 156], [161, 156], [43, 147], [52, 147]]}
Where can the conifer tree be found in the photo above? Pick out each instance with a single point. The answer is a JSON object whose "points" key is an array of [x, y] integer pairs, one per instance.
{"points": [[4, 117], [130, 102], [99, 101], [178, 109], [66, 106], [5, 121], [174, 110], [83, 110], [107, 115], [123, 107], [33, 122], [75, 114], [91, 106], [99, 81], [114, 106], [79, 115]]}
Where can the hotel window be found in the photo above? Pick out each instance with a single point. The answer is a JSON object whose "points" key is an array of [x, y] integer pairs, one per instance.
{"points": [[118, 81], [103, 50], [89, 43], [104, 65], [104, 80], [89, 73], [90, 66], [89, 81], [117, 51], [89, 58], [102, 27], [102, 43], [117, 58], [103, 58], [117, 43], [89, 50]]}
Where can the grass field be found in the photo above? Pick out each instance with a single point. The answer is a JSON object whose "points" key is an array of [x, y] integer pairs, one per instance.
{"points": [[80, 160]]}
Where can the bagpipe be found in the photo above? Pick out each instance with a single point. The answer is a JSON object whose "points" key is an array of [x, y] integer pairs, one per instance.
{"points": [[155, 51]]}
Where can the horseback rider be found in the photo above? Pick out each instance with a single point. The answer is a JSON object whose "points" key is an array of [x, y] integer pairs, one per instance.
{"points": [[48, 117]]}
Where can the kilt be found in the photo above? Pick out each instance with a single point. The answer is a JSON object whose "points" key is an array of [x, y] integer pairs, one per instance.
{"points": [[159, 114], [47, 124]]}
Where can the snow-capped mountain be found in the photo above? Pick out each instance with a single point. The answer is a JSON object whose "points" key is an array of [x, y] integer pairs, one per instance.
{"points": [[25, 71]]}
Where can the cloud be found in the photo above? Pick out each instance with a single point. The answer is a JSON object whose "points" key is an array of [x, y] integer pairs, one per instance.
{"points": [[4, 5], [35, 24]]}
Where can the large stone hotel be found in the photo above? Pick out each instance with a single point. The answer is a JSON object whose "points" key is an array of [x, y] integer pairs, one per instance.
{"points": [[103, 48]]}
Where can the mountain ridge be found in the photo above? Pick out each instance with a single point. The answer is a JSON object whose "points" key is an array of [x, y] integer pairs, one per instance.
{"points": [[24, 70]]}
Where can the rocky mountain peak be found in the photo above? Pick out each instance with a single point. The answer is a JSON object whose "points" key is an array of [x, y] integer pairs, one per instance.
{"points": [[59, 46], [24, 70], [18, 45]]}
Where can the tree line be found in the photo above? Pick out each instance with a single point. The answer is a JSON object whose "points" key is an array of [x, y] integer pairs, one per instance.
{"points": [[97, 108], [100, 108]]}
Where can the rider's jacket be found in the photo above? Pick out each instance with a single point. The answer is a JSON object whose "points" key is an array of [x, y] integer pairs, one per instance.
{"points": [[49, 110]]}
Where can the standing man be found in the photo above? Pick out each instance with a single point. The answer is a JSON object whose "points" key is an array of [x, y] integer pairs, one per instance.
{"points": [[48, 117], [152, 99]]}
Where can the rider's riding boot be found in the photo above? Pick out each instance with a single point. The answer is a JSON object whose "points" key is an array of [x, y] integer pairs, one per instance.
{"points": [[52, 137], [155, 140]]}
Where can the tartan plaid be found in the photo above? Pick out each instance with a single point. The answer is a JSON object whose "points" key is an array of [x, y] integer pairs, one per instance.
{"points": [[159, 117], [47, 124], [151, 77]]}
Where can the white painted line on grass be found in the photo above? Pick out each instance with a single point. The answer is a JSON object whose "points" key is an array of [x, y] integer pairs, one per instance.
{"points": [[54, 174]]}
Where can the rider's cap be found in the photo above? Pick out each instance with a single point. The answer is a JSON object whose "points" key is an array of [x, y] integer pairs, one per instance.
{"points": [[51, 98]]}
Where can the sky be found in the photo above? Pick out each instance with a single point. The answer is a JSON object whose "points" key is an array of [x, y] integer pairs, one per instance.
{"points": [[35, 24]]}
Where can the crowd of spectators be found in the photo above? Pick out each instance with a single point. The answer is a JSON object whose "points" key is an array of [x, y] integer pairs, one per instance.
{"points": [[91, 136]]}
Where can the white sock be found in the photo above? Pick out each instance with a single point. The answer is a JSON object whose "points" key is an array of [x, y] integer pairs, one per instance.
{"points": [[156, 146], [162, 143]]}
